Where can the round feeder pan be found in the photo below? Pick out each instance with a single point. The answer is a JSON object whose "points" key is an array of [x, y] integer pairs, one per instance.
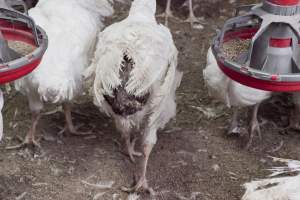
{"points": [[13, 30], [249, 76]]}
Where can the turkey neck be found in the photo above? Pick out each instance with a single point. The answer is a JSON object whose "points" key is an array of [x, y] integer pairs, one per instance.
{"points": [[143, 10]]}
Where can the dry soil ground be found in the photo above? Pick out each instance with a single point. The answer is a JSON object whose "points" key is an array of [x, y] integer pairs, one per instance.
{"points": [[192, 160]]}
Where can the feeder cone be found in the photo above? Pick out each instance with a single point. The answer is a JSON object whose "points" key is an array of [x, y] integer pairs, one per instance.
{"points": [[272, 60]]}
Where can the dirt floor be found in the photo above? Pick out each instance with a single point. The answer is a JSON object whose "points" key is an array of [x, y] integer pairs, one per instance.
{"points": [[193, 159]]}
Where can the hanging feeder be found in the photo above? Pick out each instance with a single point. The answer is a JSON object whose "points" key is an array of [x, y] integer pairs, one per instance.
{"points": [[18, 27], [265, 44]]}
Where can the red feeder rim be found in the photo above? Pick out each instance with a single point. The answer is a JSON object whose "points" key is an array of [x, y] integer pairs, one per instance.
{"points": [[268, 82], [18, 30], [285, 2]]}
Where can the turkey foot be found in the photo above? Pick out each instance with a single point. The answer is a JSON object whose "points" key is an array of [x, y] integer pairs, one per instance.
{"points": [[27, 143], [168, 13], [192, 19], [69, 127], [234, 129], [130, 149], [142, 183], [30, 137]]}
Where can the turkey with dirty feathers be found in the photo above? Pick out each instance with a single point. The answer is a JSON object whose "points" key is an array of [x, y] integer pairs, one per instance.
{"points": [[135, 79], [122, 103]]}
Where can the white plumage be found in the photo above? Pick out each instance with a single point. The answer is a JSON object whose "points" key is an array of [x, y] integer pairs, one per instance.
{"points": [[284, 188], [216, 81], [72, 27], [153, 78], [233, 94]]}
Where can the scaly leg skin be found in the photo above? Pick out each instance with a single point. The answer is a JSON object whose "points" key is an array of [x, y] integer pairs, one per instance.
{"points": [[130, 148], [254, 126], [69, 123], [30, 137], [168, 13], [234, 127], [126, 131], [129, 145], [142, 182], [192, 19]]}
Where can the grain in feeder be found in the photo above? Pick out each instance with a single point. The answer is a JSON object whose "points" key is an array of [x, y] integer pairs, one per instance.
{"points": [[22, 43], [271, 59]]}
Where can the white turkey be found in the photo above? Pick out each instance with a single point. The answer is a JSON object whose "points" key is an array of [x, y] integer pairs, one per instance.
{"points": [[72, 27], [234, 95], [135, 79], [282, 188]]}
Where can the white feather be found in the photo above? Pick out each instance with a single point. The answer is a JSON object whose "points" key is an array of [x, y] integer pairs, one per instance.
{"points": [[216, 81], [152, 49], [228, 91], [284, 188], [72, 27]]}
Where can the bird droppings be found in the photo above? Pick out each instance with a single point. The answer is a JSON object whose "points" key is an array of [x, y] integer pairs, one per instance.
{"points": [[235, 48], [216, 167], [21, 47]]}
